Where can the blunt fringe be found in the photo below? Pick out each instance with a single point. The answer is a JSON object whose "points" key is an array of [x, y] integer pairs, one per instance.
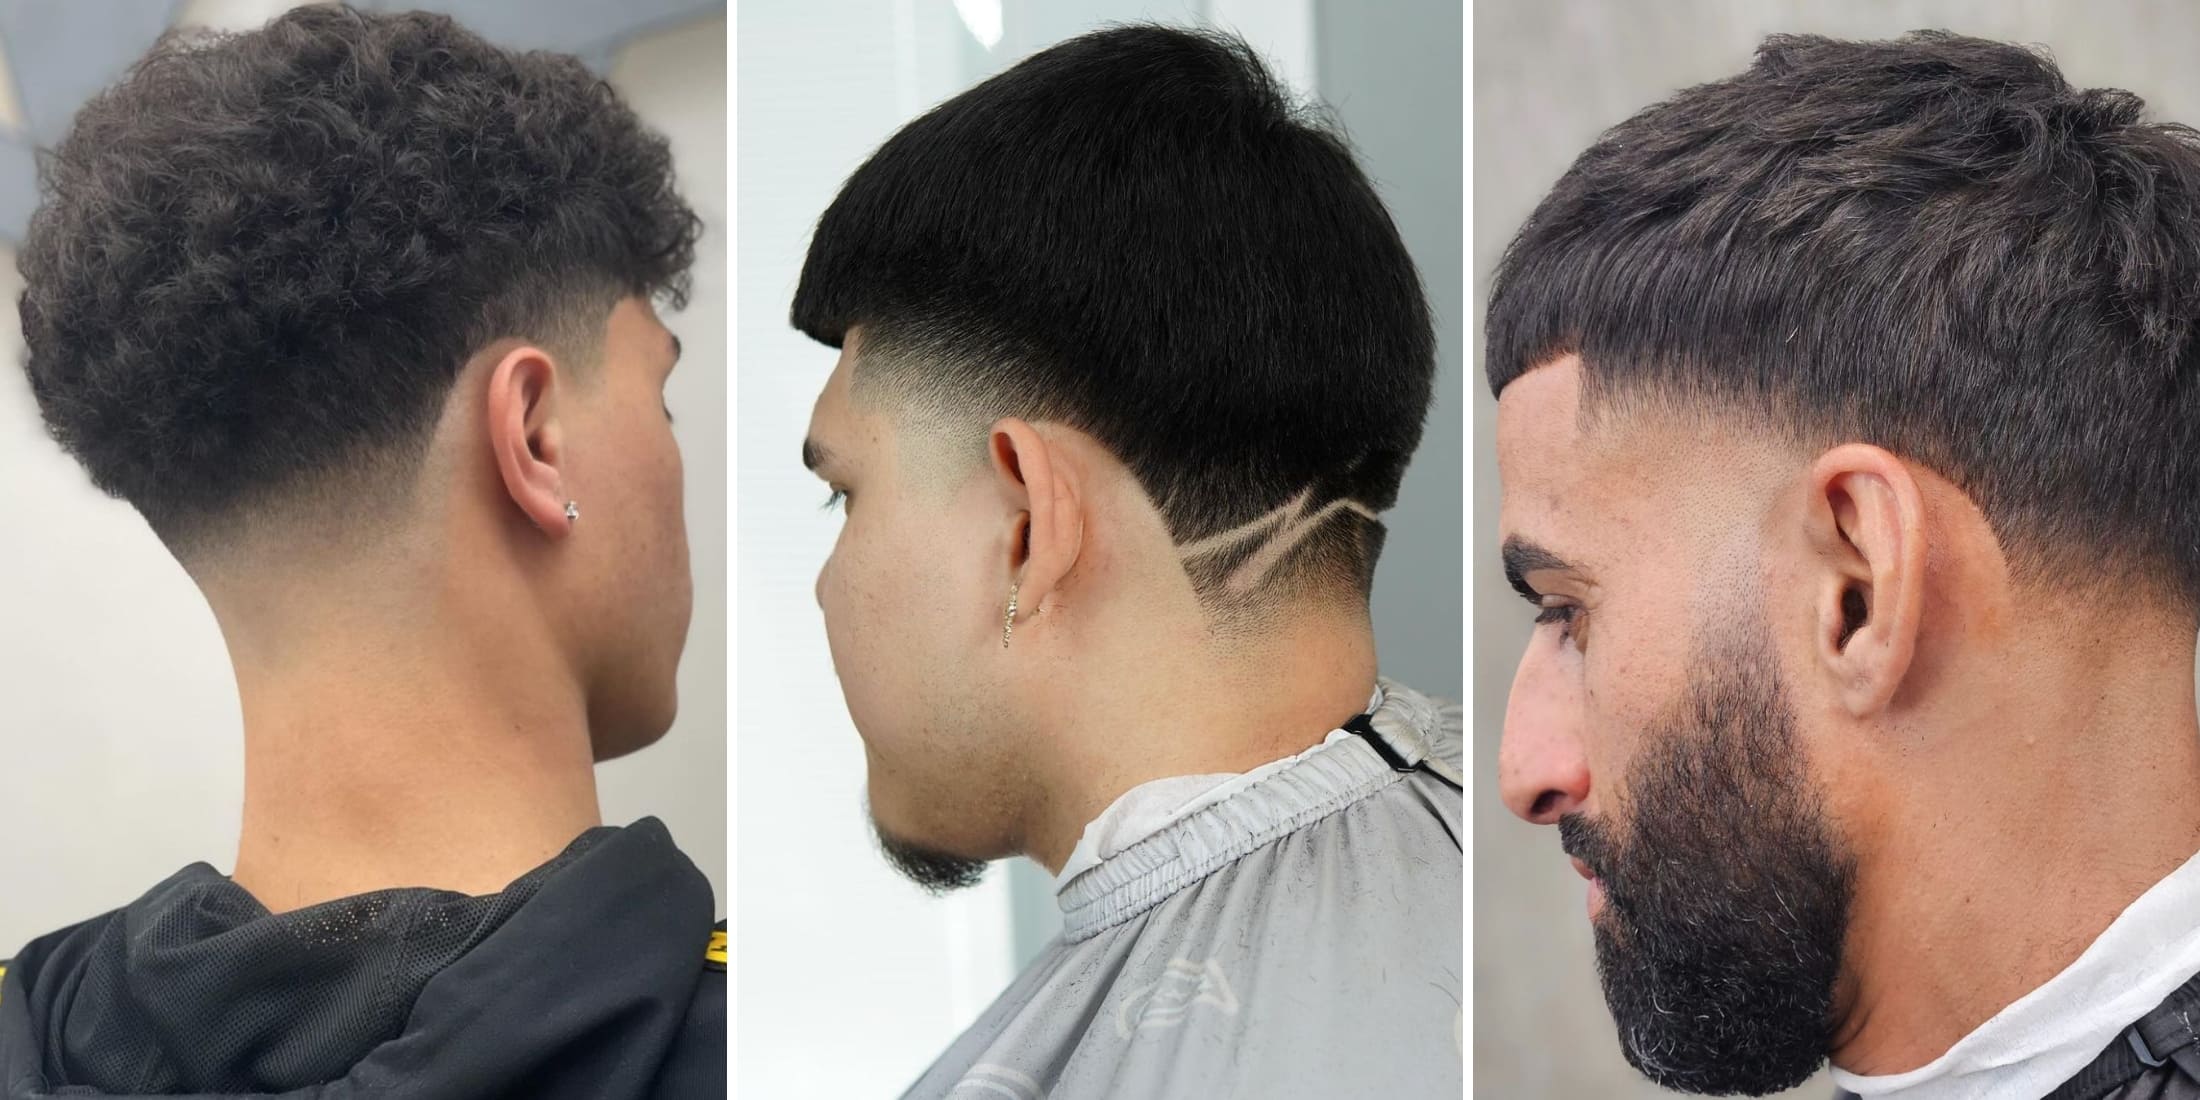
{"points": [[1933, 244], [1137, 233]]}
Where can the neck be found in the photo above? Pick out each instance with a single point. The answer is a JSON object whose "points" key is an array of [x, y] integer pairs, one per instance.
{"points": [[2077, 778], [395, 741], [1177, 702]]}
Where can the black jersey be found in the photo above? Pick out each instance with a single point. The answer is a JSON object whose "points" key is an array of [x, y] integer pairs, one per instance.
{"points": [[597, 975]]}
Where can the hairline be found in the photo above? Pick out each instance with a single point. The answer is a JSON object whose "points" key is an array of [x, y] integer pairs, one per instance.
{"points": [[1694, 402], [942, 424], [385, 477]]}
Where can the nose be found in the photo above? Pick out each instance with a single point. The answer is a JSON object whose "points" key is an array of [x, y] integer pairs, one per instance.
{"points": [[1542, 767]]}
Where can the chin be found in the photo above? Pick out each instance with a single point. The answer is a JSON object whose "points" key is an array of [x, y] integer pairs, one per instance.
{"points": [[936, 869], [614, 747], [932, 818], [889, 811], [618, 735]]}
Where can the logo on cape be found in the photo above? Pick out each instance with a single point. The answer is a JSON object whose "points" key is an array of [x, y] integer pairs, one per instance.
{"points": [[1166, 1003]]}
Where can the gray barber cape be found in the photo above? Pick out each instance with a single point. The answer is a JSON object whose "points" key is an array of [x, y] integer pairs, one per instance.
{"points": [[1299, 938]]}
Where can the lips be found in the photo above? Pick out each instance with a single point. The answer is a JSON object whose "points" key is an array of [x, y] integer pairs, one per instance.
{"points": [[1595, 901]]}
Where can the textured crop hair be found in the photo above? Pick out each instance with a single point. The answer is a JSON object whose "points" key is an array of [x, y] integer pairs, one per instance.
{"points": [[261, 258], [1138, 234], [1933, 244]]}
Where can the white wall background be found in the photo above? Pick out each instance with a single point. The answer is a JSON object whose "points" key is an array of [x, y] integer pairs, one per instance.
{"points": [[850, 980], [1548, 76], [120, 758]]}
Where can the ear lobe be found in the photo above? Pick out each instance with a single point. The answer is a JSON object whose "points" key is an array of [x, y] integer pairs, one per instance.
{"points": [[1871, 529], [1046, 528], [526, 437]]}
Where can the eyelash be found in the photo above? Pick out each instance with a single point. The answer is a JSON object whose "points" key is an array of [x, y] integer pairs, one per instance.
{"points": [[1562, 614], [838, 498]]}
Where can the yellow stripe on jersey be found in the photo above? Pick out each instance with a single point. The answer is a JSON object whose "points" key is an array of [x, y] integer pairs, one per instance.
{"points": [[716, 952]]}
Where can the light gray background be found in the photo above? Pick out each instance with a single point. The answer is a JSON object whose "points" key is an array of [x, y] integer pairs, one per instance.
{"points": [[119, 741], [1548, 76], [826, 931]]}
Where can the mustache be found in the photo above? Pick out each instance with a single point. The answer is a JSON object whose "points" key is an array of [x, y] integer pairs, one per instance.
{"points": [[1588, 841]]}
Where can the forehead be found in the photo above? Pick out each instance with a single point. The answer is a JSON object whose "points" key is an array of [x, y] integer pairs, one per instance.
{"points": [[832, 408], [1541, 450], [636, 317], [848, 435], [633, 326], [1630, 485], [836, 422]]}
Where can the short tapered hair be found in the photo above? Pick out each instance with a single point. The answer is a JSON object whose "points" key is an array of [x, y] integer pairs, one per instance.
{"points": [[1934, 244]]}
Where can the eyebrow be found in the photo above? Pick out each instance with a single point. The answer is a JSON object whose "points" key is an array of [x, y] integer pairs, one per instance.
{"points": [[1523, 557], [814, 455]]}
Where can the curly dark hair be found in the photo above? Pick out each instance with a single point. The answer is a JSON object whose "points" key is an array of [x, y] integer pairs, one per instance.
{"points": [[264, 256]]}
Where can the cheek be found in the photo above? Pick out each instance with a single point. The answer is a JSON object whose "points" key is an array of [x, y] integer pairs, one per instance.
{"points": [[875, 644], [658, 473], [676, 491], [666, 468], [833, 584], [890, 598], [675, 467], [1622, 690], [856, 593]]}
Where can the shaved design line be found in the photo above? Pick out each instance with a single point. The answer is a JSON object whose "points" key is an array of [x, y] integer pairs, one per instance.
{"points": [[1283, 528]]}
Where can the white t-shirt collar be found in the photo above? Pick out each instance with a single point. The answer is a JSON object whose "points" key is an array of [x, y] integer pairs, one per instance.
{"points": [[2046, 1036], [1152, 806]]}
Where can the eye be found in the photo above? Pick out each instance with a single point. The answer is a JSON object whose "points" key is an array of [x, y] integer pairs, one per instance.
{"points": [[836, 500], [668, 414], [1562, 614]]}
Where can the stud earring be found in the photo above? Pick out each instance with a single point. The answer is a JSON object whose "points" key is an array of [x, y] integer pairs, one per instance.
{"points": [[1008, 622], [572, 512]]}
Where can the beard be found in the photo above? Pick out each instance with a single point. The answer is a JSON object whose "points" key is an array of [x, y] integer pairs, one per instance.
{"points": [[936, 871], [1726, 895]]}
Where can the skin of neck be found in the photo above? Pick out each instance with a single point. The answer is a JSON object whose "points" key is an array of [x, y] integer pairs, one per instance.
{"points": [[1138, 682], [410, 716], [1164, 715], [2053, 788]]}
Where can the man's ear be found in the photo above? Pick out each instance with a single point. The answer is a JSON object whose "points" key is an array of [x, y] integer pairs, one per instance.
{"points": [[1867, 523], [526, 438], [1047, 526]]}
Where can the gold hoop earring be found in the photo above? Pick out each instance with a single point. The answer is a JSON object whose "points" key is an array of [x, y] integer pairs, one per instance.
{"points": [[1008, 621]]}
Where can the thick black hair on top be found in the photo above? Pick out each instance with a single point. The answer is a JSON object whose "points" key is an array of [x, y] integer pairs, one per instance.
{"points": [[264, 255], [1136, 233], [1934, 244]]}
